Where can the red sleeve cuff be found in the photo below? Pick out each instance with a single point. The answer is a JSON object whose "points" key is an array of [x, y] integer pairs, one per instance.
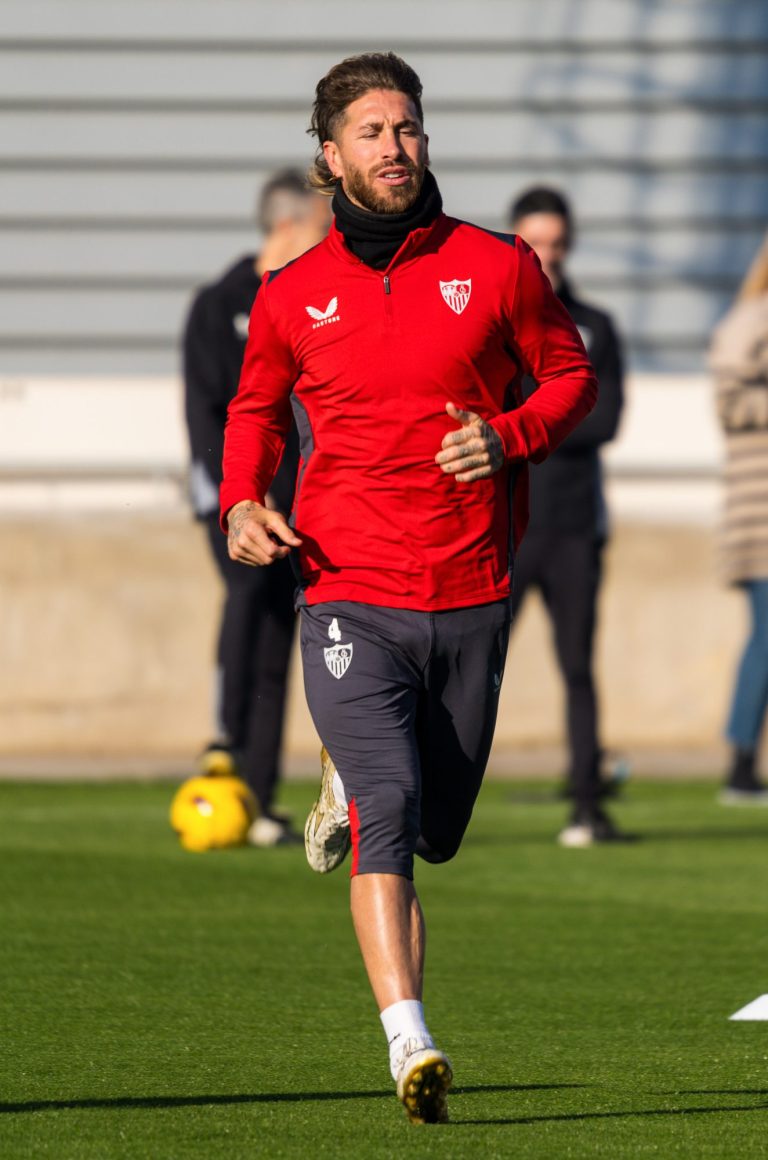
{"points": [[229, 496]]}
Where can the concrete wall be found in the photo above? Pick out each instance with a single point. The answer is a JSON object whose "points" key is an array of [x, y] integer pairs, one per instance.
{"points": [[108, 622]]}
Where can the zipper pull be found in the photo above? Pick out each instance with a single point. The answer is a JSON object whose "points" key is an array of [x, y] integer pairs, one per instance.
{"points": [[386, 284]]}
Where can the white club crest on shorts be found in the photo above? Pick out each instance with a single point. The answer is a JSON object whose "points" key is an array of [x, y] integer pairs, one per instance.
{"points": [[338, 659], [456, 293]]}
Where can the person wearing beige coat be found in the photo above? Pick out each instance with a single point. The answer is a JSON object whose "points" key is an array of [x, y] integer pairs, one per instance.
{"points": [[739, 362]]}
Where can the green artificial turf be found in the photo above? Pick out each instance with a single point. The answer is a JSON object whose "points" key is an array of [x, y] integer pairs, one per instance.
{"points": [[162, 1004]]}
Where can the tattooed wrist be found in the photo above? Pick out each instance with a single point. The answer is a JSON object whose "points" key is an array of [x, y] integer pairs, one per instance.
{"points": [[495, 449]]}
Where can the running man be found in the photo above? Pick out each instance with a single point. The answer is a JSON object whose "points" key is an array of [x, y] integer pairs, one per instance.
{"points": [[400, 342]]}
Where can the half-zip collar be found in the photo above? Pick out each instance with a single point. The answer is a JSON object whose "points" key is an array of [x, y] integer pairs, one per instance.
{"points": [[415, 242]]}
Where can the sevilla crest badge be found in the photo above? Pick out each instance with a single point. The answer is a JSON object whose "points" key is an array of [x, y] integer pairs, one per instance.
{"points": [[456, 293], [338, 659]]}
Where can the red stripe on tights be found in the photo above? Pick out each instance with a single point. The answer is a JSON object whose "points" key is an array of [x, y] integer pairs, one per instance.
{"points": [[354, 827]]}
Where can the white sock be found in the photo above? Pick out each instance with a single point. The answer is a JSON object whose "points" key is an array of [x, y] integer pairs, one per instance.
{"points": [[338, 789], [403, 1021]]}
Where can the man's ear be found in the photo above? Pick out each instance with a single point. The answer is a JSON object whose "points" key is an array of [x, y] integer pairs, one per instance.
{"points": [[426, 149], [331, 155]]}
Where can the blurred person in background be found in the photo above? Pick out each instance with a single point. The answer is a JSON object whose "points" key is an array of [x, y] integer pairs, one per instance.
{"points": [[739, 361], [561, 554], [258, 619]]}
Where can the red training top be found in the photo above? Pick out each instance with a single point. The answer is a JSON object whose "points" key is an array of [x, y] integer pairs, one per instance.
{"points": [[369, 359]]}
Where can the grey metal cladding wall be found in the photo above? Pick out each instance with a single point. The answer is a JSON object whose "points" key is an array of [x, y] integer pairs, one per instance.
{"points": [[133, 137]]}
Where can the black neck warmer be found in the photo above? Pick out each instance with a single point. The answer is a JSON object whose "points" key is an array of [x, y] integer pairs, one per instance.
{"points": [[375, 238]]}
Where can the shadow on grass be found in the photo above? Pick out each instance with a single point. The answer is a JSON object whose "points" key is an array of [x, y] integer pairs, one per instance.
{"points": [[575, 1117], [122, 1102], [725, 1092]]}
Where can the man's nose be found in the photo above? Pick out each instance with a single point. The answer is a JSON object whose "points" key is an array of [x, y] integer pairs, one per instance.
{"points": [[389, 144]]}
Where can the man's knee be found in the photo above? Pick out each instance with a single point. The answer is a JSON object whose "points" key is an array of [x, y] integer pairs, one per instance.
{"points": [[395, 809], [437, 851], [385, 831], [445, 816]]}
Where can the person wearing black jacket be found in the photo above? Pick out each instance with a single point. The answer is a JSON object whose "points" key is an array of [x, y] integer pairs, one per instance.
{"points": [[561, 554], [258, 619]]}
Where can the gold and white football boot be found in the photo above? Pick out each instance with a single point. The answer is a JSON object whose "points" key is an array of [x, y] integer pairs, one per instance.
{"points": [[423, 1079], [327, 835]]}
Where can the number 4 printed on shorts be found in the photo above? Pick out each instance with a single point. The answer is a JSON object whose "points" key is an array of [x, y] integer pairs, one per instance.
{"points": [[339, 656]]}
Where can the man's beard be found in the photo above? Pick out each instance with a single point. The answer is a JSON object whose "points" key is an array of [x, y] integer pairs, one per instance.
{"points": [[397, 199]]}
